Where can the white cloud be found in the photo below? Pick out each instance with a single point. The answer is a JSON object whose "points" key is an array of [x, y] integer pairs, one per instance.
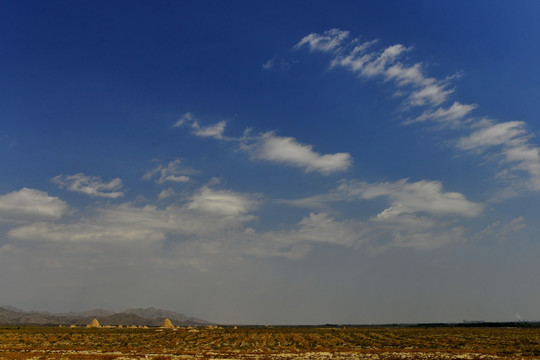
{"points": [[527, 159], [494, 134], [270, 147], [379, 66], [222, 202], [512, 140], [375, 234], [211, 224], [312, 202], [209, 214], [433, 94], [411, 231], [404, 197], [452, 114], [320, 227], [278, 63], [27, 205], [423, 91], [86, 232], [286, 150], [329, 41], [172, 172], [356, 59], [167, 193], [421, 215], [213, 131], [502, 232], [269, 64], [513, 226], [506, 140], [90, 185], [410, 198], [186, 118], [407, 75]]}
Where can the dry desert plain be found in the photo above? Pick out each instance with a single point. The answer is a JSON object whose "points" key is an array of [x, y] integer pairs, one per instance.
{"points": [[28, 342]]}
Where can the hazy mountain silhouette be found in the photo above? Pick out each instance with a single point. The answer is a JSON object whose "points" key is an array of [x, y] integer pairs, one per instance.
{"points": [[10, 315]]}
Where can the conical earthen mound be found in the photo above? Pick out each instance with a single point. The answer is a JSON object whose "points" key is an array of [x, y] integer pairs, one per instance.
{"points": [[94, 324], [167, 324]]}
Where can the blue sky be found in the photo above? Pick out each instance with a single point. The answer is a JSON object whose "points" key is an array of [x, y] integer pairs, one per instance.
{"points": [[250, 162]]}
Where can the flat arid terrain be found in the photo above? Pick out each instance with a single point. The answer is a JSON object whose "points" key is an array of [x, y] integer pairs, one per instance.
{"points": [[28, 342]]}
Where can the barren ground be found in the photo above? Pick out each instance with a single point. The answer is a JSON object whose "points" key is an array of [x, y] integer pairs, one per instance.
{"points": [[270, 343]]}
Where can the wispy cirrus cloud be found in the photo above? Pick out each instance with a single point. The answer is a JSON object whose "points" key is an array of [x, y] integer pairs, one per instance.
{"points": [[368, 64], [278, 63], [494, 134], [187, 118], [507, 141], [277, 149], [502, 231], [90, 185], [173, 172], [330, 40], [213, 131], [511, 142], [452, 115]]}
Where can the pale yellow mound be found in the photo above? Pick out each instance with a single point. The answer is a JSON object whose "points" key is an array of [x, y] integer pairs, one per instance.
{"points": [[94, 324], [167, 324]]}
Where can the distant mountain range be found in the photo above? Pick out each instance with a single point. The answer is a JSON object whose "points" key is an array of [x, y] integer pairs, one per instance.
{"points": [[10, 315]]}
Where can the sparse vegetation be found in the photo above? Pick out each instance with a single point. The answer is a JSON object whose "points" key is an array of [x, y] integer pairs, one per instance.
{"points": [[270, 343]]}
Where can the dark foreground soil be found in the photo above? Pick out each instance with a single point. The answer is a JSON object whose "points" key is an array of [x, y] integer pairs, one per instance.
{"points": [[269, 343]]}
